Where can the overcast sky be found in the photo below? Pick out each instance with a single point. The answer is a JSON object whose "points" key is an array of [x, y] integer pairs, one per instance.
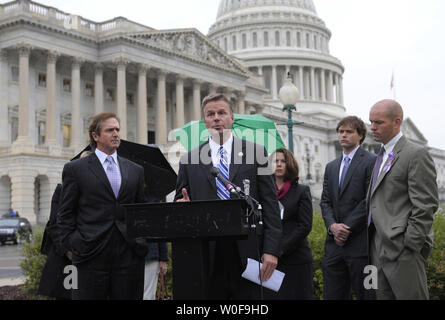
{"points": [[372, 38]]}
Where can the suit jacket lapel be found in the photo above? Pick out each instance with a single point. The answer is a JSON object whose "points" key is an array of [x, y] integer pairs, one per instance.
{"points": [[205, 159], [236, 160], [123, 165], [396, 151], [335, 178], [358, 157], [98, 170]]}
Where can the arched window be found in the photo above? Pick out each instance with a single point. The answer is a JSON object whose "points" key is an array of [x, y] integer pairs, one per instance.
{"points": [[277, 38], [225, 44], [244, 41], [288, 38], [298, 39], [234, 42], [266, 38], [255, 40]]}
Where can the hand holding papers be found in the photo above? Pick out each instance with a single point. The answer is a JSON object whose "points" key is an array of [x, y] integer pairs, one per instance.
{"points": [[252, 273]]}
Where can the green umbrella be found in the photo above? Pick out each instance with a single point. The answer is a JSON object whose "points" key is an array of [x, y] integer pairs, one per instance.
{"points": [[255, 128]]}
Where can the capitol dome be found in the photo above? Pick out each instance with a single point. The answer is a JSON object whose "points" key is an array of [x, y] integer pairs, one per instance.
{"points": [[275, 37], [228, 6]]}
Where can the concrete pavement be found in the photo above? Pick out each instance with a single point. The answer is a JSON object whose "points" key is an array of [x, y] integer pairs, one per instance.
{"points": [[12, 281]]}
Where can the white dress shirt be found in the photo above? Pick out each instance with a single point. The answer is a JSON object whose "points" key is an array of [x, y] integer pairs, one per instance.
{"points": [[214, 151], [103, 156], [350, 156], [388, 149]]}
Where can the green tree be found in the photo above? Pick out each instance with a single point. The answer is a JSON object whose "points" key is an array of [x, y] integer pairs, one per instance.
{"points": [[33, 263], [316, 241]]}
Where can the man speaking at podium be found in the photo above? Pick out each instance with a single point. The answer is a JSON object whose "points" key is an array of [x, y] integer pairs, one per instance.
{"points": [[236, 160]]}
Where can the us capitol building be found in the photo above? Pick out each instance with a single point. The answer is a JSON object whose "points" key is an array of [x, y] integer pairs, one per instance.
{"points": [[57, 70]]}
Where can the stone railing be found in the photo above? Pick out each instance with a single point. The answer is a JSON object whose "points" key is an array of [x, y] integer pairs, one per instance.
{"points": [[5, 150], [71, 22]]}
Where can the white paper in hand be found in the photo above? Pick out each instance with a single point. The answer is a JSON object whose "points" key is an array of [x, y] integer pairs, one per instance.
{"points": [[252, 273]]}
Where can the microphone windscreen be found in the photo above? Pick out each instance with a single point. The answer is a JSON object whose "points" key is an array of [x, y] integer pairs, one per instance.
{"points": [[214, 171]]}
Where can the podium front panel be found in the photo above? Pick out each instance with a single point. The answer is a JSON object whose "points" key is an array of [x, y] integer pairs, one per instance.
{"points": [[187, 220]]}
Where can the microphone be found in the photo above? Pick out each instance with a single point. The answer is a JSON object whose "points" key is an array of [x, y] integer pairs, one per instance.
{"points": [[229, 186]]}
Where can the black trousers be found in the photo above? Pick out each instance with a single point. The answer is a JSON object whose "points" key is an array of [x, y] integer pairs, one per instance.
{"points": [[116, 273], [226, 282], [297, 283], [341, 274]]}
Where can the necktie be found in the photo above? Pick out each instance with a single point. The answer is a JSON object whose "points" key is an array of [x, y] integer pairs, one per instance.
{"points": [[113, 175], [378, 164], [223, 167], [343, 173]]}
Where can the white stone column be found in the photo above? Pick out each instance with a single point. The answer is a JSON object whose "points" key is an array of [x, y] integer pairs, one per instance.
{"points": [[51, 108], [180, 115], [212, 88], [4, 134], [24, 137], [121, 64], [99, 89], [196, 114], [323, 84], [161, 109], [76, 121], [301, 82], [337, 88], [330, 89], [274, 85], [312, 83], [22, 193], [142, 136], [340, 89], [241, 103]]}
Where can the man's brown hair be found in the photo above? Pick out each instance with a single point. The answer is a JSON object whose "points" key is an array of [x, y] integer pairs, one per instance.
{"points": [[96, 125], [356, 123], [292, 169], [216, 97]]}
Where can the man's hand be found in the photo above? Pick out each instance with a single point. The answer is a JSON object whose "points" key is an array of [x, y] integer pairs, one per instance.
{"points": [[162, 267], [185, 196], [269, 264], [341, 233], [339, 242], [69, 255]]}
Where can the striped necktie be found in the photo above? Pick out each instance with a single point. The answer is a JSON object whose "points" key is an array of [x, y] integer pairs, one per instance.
{"points": [[113, 175], [223, 167], [343, 173]]}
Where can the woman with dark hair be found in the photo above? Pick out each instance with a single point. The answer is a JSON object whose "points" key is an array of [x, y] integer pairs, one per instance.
{"points": [[296, 216]]}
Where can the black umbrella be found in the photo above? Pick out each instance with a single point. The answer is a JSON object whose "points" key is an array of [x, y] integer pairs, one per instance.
{"points": [[160, 178]]}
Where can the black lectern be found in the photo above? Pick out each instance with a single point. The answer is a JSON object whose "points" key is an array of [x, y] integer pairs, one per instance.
{"points": [[189, 226]]}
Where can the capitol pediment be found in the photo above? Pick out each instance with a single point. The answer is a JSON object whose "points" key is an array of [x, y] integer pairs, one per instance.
{"points": [[411, 131], [190, 43]]}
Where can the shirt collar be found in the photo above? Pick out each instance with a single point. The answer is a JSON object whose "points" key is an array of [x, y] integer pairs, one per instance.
{"points": [[351, 154], [103, 156], [392, 143], [227, 145]]}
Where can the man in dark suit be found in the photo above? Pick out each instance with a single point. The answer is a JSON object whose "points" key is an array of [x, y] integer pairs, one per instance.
{"points": [[52, 278], [92, 222], [239, 160], [343, 205]]}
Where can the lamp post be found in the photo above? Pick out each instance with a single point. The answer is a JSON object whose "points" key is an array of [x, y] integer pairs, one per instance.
{"points": [[308, 159], [289, 96]]}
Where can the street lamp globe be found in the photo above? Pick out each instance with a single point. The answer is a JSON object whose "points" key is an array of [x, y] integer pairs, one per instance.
{"points": [[289, 93]]}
